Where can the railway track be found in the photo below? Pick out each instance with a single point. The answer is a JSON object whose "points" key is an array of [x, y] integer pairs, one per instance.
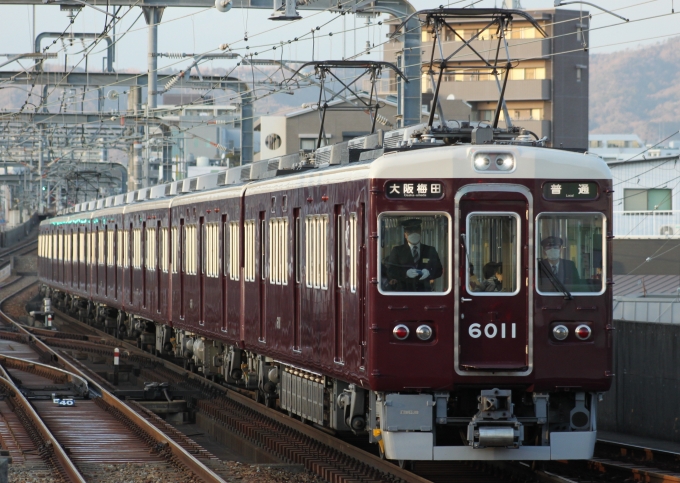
{"points": [[228, 411], [293, 441], [94, 437]]}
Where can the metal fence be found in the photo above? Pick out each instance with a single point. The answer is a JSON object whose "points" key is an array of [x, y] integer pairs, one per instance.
{"points": [[647, 224]]}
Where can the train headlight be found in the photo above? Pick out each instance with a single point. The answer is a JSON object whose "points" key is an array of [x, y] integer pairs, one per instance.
{"points": [[560, 332], [583, 332], [505, 162], [424, 332], [400, 332], [482, 162]]}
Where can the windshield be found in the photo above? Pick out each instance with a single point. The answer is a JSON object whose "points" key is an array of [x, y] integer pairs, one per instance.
{"points": [[570, 253], [414, 253], [492, 253]]}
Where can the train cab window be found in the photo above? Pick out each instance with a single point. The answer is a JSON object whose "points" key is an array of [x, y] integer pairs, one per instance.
{"points": [[492, 253], [414, 253], [570, 253]]}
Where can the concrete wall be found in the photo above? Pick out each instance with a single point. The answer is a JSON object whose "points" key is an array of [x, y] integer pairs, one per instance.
{"points": [[15, 235], [645, 396]]}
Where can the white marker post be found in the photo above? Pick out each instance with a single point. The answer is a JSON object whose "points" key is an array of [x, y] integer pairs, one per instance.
{"points": [[116, 362], [49, 321]]}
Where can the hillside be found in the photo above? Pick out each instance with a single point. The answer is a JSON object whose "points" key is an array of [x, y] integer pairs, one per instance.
{"points": [[636, 91]]}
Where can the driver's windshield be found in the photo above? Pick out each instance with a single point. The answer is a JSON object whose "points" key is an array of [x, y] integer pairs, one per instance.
{"points": [[570, 253]]}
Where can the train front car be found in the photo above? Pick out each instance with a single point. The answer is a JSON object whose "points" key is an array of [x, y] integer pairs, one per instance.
{"points": [[489, 307]]}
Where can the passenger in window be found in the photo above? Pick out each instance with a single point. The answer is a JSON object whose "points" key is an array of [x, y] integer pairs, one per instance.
{"points": [[493, 278], [564, 270], [413, 266]]}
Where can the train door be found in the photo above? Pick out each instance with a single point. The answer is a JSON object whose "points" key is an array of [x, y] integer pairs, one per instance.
{"points": [[262, 278], [339, 285], [493, 322], [161, 249], [182, 265]]}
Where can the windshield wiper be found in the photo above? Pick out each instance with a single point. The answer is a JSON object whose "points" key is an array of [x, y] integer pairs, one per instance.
{"points": [[555, 281]]}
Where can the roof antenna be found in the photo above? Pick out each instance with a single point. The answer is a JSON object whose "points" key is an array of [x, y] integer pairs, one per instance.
{"points": [[559, 3]]}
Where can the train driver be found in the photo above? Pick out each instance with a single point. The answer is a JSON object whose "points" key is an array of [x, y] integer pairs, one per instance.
{"points": [[412, 266], [563, 270]]}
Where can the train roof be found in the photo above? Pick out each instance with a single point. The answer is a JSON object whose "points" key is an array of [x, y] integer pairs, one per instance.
{"points": [[399, 154]]}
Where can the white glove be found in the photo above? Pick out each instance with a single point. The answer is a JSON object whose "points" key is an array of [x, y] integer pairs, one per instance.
{"points": [[426, 273], [411, 273]]}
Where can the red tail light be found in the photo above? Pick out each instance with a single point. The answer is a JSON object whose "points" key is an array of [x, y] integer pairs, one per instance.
{"points": [[400, 332], [583, 332]]}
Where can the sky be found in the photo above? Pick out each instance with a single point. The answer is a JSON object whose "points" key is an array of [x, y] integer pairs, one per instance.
{"points": [[186, 30]]}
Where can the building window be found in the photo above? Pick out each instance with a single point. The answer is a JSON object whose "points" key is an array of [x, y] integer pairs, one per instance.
{"points": [[249, 247], [616, 143], [308, 144], [647, 200], [594, 144], [578, 74], [316, 243], [278, 251]]}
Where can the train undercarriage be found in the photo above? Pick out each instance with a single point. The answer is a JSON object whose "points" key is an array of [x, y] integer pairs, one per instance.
{"points": [[472, 423]]}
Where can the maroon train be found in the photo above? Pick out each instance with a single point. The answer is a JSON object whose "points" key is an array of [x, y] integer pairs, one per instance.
{"points": [[450, 302]]}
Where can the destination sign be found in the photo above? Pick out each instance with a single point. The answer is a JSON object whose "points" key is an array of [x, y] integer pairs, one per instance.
{"points": [[556, 190], [399, 190]]}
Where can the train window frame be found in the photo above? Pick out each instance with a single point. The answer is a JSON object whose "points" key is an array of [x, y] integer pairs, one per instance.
{"points": [[234, 260], [278, 251], [538, 250], [316, 251], [353, 252], [174, 252], [447, 269], [249, 240], [518, 228]]}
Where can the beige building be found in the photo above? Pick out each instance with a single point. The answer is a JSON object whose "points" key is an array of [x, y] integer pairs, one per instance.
{"points": [[299, 130], [547, 91]]}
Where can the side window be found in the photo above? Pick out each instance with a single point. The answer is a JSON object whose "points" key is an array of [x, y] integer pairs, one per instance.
{"points": [[137, 248], [212, 252], [234, 253], [81, 246], [165, 258], [120, 248], [110, 235], [278, 251], [414, 253], [316, 251], [126, 248], [353, 251], [101, 248], [492, 252], [249, 248], [93, 245], [174, 248], [150, 248], [53, 247]]}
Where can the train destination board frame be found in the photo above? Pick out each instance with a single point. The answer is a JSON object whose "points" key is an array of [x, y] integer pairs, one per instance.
{"points": [[414, 189], [579, 190]]}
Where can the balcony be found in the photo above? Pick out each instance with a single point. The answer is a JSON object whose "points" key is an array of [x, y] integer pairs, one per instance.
{"points": [[647, 224], [487, 91]]}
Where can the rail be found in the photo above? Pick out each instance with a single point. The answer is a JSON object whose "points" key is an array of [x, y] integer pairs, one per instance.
{"points": [[179, 453]]}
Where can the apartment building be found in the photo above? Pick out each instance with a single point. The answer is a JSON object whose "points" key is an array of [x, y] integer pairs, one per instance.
{"points": [[547, 91]]}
